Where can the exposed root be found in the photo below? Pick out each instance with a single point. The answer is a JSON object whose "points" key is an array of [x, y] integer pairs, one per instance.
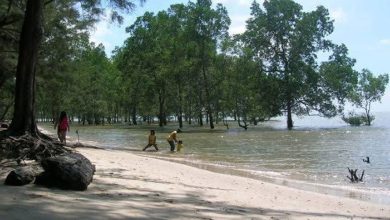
{"points": [[27, 147]]}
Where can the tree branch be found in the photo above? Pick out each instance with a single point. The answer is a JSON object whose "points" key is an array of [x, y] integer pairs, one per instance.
{"points": [[48, 2]]}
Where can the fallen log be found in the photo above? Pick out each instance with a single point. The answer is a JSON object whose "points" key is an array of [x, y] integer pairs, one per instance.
{"points": [[20, 176], [69, 171]]}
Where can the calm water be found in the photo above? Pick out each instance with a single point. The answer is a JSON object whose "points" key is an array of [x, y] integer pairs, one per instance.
{"points": [[314, 156]]}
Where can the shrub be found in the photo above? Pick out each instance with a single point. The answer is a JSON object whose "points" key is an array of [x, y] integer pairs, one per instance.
{"points": [[357, 119]]}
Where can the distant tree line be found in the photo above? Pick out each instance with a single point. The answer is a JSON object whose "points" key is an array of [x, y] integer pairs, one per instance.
{"points": [[182, 63]]}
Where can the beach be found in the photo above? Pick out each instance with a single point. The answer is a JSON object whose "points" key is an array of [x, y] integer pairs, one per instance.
{"points": [[129, 186]]}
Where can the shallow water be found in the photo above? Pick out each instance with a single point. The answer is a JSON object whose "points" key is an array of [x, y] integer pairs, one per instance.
{"points": [[314, 155]]}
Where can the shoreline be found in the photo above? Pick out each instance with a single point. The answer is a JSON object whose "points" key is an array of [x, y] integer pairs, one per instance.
{"points": [[374, 195], [131, 186], [370, 194], [269, 157]]}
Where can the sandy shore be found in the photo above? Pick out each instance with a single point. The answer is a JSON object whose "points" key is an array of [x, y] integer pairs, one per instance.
{"points": [[127, 186]]}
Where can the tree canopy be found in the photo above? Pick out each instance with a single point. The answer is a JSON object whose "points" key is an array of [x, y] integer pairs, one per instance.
{"points": [[179, 63], [31, 35]]}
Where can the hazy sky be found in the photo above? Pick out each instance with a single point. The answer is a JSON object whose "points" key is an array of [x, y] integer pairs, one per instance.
{"points": [[363, 26]]}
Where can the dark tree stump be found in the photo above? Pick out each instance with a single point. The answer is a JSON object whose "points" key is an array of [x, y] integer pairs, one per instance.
{"points": [[354, 177], [20, 176], [71, 171]]}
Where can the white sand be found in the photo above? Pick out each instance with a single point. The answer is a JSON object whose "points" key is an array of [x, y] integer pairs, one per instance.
{"points": [[127, 186]]}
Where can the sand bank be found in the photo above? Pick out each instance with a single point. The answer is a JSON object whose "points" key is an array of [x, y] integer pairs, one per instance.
{"points": [[128, 186]]}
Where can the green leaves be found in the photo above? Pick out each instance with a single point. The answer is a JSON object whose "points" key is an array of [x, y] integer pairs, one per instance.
{"points": [[369, 89], [166, 53], [181, 62], [286, 40]]}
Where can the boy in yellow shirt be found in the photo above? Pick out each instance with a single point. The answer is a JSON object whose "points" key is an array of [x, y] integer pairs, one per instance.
{"points": [[172, 139]]}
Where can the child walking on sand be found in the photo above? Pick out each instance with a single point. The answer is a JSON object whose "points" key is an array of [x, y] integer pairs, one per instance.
{"points": [[152, 141]]}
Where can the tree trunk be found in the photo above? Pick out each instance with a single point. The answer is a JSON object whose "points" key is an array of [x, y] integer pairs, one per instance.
{"points": [[289, 115], [368, 108], [161, 115], [134, 115], [24, 109], [209, 110], [180, 116], [200, 118], [368, 120]]}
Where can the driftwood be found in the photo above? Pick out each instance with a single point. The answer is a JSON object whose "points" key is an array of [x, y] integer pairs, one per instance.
{"points": [[70, 171], [20, 176], [62, 168], [354, 178]]}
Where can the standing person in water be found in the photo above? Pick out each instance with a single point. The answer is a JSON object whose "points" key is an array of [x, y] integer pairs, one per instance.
{"points": [[63, 127], [152, 141], [172, 139]]}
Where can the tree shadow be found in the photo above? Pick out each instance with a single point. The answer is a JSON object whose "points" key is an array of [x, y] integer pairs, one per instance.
{"points": [[107, 200]]}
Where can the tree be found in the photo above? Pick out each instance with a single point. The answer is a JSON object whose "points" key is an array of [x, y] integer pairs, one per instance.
{"points": [[30, 39], [142, 61], [55, 75], [370, 89], [254, 94], [11, 17], [338, 75], [208, 27], [174, 47], [92, 83], [179, 59], [286, 40]]}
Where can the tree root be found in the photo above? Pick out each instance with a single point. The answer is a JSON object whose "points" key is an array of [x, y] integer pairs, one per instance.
{"points": [[28, 147]]}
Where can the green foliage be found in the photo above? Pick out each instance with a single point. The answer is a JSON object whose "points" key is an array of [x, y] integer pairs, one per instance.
{"points": [[58, 52], [167, 54], [250, 94], [369, 89], [358, 119], [181, 62], [66, 29], [11, 17], [285, 40], [339, 78]]}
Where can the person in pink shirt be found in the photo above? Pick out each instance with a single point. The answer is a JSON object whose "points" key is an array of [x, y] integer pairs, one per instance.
{"points": [[63, 127]]}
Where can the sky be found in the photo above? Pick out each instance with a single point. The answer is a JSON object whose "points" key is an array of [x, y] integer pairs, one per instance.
{"points": [[363, 26]]}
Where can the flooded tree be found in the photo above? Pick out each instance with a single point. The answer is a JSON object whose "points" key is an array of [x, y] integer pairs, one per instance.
{"points": [[286, 40], [370, 89], [208, 27], [171, 56]]}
